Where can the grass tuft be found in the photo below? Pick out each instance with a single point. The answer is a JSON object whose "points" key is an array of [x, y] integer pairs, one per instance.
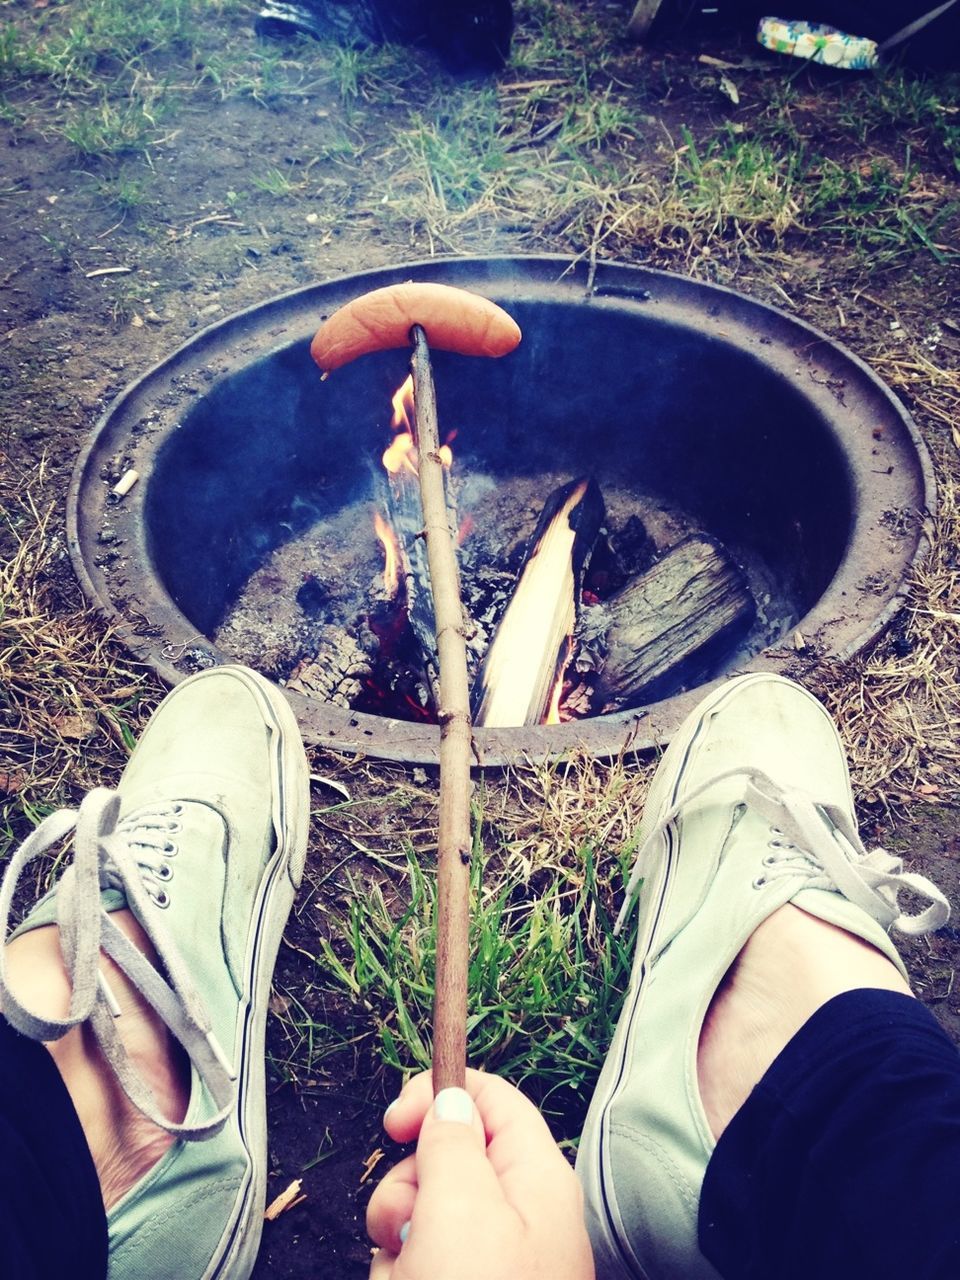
{"points": [[70, 700], [547, 976]]}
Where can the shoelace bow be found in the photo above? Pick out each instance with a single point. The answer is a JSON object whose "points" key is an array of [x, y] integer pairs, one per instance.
{"points": [[819, 842], [128, 856]]}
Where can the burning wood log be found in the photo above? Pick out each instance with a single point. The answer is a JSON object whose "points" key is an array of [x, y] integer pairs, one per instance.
{"points": [[338, 671], [530, 648], [405, 515], [692, 604]]}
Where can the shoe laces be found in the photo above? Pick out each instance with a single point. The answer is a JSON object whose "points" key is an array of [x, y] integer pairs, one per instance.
{"points": [[819, 844], [133, 856]]}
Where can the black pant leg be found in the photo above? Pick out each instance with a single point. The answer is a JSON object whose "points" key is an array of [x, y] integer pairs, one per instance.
{"points": [[844, 1163], [52, 1221]]}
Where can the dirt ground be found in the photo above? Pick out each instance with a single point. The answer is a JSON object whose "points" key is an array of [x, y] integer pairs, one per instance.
{"points": [[255, 170]]}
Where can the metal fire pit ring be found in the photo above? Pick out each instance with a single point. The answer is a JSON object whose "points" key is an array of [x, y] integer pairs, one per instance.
{"points": [[862, 519]]}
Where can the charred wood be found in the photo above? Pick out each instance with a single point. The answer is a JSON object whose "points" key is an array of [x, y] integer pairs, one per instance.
{"points": [[337, 673], [670, 624], [406, 516], [532, 642]]}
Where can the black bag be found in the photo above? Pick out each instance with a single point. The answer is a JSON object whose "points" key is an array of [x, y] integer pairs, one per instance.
{"points": [[466, 33]]}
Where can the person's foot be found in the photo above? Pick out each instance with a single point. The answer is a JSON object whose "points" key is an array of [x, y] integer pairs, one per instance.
{"points": [[124, 1144], [146, 971], [758, 904], [792, 964]]}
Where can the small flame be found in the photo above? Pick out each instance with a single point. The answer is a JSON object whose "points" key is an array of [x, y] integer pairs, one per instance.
{"points": [[391, 553], [401, 454], [553, 711], [402, 401]]}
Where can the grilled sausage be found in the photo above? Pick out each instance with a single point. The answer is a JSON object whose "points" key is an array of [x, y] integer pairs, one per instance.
{"points": [[453, 319]]}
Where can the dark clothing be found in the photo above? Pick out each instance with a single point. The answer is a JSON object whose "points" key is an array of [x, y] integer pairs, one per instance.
{"points": [[52, 1222], [844, 1163]]}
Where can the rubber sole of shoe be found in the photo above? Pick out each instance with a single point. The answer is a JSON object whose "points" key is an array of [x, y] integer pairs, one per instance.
{"points": [[237, 1251]]}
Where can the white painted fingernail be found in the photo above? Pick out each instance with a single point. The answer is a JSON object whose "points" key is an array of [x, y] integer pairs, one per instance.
{"points": [[454, 1106]]}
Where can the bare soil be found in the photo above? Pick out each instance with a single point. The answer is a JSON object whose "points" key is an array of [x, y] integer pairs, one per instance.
{"points": [[206, 241]]}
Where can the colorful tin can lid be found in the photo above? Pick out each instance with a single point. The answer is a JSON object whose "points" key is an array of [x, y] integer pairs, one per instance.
{"points": [[819, 43]]}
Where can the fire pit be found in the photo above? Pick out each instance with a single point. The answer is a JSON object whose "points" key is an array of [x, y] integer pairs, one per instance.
{"points": [[706, 420]]}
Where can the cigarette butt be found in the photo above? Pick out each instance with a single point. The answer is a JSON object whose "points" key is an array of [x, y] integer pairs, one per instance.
{"points": [[799, 643], [126, 483], [284, 1201]]}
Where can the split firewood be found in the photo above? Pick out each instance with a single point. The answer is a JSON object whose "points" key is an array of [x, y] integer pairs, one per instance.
{"points": [[688, 609], [532, 642], [405, 512], [406, 520]]}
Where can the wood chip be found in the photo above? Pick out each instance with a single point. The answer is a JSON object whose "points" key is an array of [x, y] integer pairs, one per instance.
{"points": [[332, 784], [108, 271], [285, 1201], [730, 90], [11, 781], [371, 1162]]}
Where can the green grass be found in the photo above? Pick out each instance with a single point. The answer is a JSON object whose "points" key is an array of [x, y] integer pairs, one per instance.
{"points": [[125, 191], [546, 975], [95, 40], [458, 157], [276, 183], [731, 184], [107, 129], [377, 73]]}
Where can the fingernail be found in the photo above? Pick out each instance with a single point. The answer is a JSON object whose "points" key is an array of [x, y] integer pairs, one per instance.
{"points": [[404, 1232], [390, 1107], [453, 1105]]}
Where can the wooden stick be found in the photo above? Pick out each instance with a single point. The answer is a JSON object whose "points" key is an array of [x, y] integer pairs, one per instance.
{"points": [[454, 844]]}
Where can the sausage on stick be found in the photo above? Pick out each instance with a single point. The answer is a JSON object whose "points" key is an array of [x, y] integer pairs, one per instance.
{"points": [[453, 320]]}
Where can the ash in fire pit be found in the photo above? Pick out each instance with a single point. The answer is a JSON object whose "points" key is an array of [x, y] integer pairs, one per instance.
{"points": [[636, 603]]}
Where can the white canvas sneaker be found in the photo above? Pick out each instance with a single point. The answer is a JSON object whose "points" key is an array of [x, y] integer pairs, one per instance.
{"points": [[205, 841], [751, 808]]}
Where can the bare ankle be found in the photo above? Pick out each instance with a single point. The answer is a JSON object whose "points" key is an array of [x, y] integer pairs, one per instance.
{"points": [[123, 1143], [127, 1155], [790, 967]]}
